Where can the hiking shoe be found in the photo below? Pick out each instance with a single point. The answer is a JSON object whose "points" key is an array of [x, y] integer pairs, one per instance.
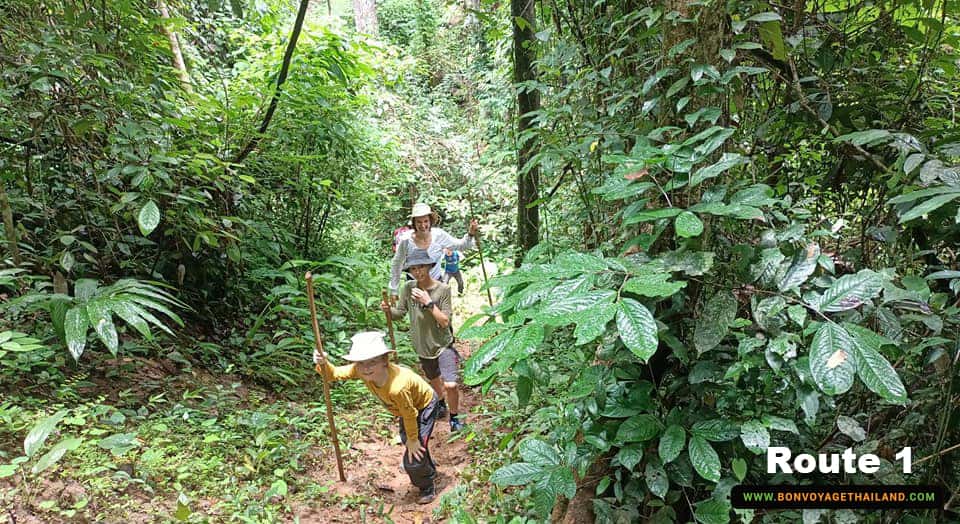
{"points": [[427, 495], [455, 425]]}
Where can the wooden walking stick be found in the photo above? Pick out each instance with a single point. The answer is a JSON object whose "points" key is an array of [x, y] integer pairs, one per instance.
{"points": [[326, 386], [476, 239], [393, 341]]}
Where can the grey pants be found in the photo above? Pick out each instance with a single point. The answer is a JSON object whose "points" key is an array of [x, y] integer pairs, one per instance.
{"points": [[456, 275], [422, 472]]}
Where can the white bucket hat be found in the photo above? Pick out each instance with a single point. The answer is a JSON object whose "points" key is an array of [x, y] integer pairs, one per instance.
{"points": [[367, 345], [420, 210]]}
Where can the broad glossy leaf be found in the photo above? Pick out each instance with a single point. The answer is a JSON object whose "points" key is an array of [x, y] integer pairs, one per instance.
{"points": [[849, 291], [833, 362], [928, 206], [704, 458], [630, 456], [637, 328], [874, 370], [517, 474], [727, 161], [652, 285], [851, 428], [739, 467], [592, 322], [638, 428], [559, 481], [687, 225], [484, 356], [755, 436], [716, 430], [780, 424], [102, 321], [712, 511], [672, 443], [912, 162], [567, 310], [119, 443], [657, 480], [651, 214], [539, 452], [870, 136], [55, 454], [923, 193], [803, 265], [124, 310], [84, 289], [714, 321], [75, 326], [39, 433], [148, 218], [766, 269]]}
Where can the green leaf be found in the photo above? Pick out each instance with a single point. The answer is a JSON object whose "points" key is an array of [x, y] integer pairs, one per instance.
{"points": [[728, 54], [704, 459], [592, 322], [652, 285], [517, 474], [927, 207], [66, 261], [149, 218], [657, 480], [75, 326], [672, 443], [712, 511], [803, 265], [630, 456], [637, 328], [716, 430], [780, 424], [119, 443], [739, 467], [912, 162], [714, 321], [638, 428], [38, 435], [129, 314], [539, 452], [798, 314], [567, 310], [559, 481], [727, 161], [84, 289], [55, 454], [755, 436], [870, 136], [652, 214], [99, 315], [768, 16], [923, 193], [833, 362], [851, 428], [766, 269], [7, 470], [849, 291], [874, 370], [688, 225]]}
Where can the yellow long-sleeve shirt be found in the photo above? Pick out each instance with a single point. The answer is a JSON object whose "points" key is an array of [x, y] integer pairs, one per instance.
{"points": [[404, 393]]}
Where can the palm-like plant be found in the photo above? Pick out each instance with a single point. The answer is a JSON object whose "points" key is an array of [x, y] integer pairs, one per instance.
{"points": [[92, 306], [136, 302]]}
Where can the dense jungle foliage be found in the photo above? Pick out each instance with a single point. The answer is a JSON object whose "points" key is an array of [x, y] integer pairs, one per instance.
{"points": [[744, 217]]}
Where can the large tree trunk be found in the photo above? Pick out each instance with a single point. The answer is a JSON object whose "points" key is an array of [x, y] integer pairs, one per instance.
{"points": [[178, 63], [365, 16], [528, 100]]}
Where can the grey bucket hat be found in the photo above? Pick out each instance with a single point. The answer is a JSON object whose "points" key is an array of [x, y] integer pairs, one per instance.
{"points": [[418, 257]]}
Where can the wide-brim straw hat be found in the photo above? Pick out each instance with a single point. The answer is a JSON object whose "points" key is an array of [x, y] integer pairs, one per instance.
{"points": [[367, 345], [419, 257], [423, 210]]}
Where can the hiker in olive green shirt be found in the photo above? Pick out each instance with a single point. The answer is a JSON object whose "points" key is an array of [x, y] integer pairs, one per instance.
{"points": [[428, 303]]}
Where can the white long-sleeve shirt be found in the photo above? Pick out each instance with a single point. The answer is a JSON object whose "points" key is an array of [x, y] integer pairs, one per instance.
{"points": [[440, 240]]}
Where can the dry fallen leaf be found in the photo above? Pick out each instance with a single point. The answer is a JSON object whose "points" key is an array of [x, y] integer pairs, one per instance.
{"points": [[636, 175]]}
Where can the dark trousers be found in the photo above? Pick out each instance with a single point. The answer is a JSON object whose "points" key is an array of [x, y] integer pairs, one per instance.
{"points": [[457, 275], [422, 472]]}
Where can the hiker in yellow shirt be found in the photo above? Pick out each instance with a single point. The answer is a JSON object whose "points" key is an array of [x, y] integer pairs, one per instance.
{"points": [[404, 394]]}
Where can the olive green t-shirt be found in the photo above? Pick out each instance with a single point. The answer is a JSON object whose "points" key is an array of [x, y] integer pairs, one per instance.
{"points": [[428, 338]]}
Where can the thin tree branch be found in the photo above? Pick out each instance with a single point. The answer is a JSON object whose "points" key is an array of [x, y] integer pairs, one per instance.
{"points": [[284, 69]]}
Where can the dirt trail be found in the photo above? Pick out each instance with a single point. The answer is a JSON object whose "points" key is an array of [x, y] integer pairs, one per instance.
{"points": [[375, 476]]}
